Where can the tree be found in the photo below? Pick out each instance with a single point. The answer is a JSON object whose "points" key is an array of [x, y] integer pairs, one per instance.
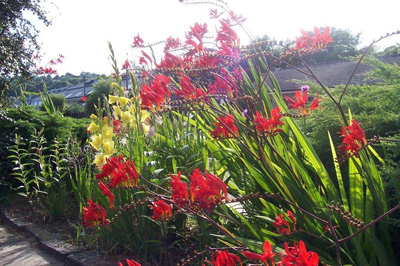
{"points": [[344, 44], [101, 90], [18, 36]]}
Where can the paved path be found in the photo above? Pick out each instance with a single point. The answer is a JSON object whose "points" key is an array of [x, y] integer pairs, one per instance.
{"points": [[19, 250]]}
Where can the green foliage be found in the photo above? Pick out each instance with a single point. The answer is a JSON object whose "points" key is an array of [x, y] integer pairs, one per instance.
{"points": [[100, 92], [59, 103], [18, 36], [385, 73], [374, 106]]}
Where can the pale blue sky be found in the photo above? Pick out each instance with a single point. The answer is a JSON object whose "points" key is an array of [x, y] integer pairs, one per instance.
{"points": [[82, 28]]}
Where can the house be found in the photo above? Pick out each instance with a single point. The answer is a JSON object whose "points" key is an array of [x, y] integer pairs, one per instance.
{"points": [[330, 74]]}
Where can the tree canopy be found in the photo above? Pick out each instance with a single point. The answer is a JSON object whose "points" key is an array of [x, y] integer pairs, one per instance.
{"points": [[18, 35]]}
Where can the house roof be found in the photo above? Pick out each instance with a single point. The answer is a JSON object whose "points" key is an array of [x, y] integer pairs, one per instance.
{"points": [[330, 74]]}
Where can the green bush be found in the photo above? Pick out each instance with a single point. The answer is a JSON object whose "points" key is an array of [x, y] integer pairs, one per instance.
{"points": [[100, 90], [24, 122], [59, 102]]}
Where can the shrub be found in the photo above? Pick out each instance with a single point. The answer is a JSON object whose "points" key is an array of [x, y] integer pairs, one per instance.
{"points": [[59, 102]]}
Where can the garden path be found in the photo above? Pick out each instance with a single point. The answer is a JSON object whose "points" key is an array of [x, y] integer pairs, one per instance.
{"points": [[16, 249]]}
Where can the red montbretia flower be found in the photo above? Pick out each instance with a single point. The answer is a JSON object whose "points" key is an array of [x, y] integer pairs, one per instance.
{"points": [[228, 41], [300, 102], [93, 215], [266, 255], [119, 173], [126, 65], [353, 139], [106, 192], [224, 258], [156, 94], [315, 103], [161, 211], [298, 255], [205, 191], [316, 41], [283, 226], [269, 126], [137, 42], [172, 43], [188, 91], [225, 127], [83, 98], [116, 126], [130, 263], [180, 193]]}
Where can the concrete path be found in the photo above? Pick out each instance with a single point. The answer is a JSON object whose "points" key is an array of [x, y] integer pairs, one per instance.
{"points": [[19, 250]]}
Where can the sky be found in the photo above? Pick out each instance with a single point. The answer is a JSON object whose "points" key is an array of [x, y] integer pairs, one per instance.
{"points": [[81, 29]]}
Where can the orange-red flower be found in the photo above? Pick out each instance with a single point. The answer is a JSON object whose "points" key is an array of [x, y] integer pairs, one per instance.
{"points": [[188, 91], [161, 211], [225, 127], [137, 41], [179, 189], [156, 93], [283, 226], [266, 255], [315, 103], [301, 100], [224, 258], [119, 172], [353, 139], [316, 41], [269, 126], [298, 255], [205, 191], [106, 192], [93, 215], [130, 263]]}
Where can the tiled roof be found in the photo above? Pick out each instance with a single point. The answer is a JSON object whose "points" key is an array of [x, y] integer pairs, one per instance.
{"points": [[330, 74]]}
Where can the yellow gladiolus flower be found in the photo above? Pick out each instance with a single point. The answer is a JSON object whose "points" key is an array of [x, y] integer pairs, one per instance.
{"points": [[117, 111], [99, 159], [93, 127], [108, 147], [96, 141], [94, 117], [126, 117], [123, 100], [107, 131], [112, 99]]}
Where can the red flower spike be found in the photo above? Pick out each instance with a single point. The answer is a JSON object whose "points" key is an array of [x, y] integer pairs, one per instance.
{"points": [[269, 126], [93, 215], [137, 41], [224, 258], [162, 211], [179, 190], [156, 93], [225, 127], [130, 263], [317, 41], [116, 126], [315, 103], [353, 139], [121, 173], [205, 191], [298, 255], [188, 91], [126, 65], [282, 225], [266, 255], [291, 217], [106, 192], [301, 100]]}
